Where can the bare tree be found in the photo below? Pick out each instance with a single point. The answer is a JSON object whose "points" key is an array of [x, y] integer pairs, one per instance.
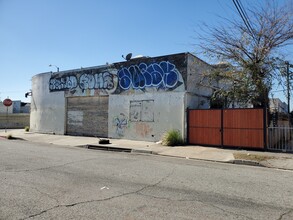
{"points": [[250, 49]]}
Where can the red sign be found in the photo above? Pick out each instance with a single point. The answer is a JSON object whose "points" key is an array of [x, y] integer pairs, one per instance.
{"points": [[7, 102]]}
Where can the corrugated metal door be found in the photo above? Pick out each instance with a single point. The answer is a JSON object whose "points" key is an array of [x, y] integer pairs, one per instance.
{"points": [[87, 116], [205, 127]]}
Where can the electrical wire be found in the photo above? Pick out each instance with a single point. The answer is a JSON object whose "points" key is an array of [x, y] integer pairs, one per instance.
{"points": [[244, 17]]}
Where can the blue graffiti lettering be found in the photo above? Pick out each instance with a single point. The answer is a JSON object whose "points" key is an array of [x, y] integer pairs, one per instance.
{"points": [[162, 75]]}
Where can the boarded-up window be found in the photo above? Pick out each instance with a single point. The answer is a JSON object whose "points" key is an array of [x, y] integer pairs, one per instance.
{"points": [[142, 110]]}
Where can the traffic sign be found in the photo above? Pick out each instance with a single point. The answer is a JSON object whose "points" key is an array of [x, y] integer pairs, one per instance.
{"points": [[7, 102]]}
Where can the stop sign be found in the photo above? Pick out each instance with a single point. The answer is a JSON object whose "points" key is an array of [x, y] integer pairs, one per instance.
{"points": [[7, 102]]}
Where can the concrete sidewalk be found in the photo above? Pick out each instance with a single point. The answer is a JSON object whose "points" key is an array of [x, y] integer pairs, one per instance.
{"points": [[257, 158]]}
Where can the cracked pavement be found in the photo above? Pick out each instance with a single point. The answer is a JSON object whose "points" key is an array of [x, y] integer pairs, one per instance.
{"points": [[53, 182]]}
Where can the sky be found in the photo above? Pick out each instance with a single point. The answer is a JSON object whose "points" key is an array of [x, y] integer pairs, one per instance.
{"points": [[70, 34]]}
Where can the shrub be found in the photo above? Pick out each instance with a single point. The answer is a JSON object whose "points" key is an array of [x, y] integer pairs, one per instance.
{"points": [[172, 138], [27, 128]]}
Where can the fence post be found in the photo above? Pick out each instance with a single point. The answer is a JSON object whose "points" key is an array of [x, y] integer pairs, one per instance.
{"points": [[222, 127], [265, 119], [187, 130]]}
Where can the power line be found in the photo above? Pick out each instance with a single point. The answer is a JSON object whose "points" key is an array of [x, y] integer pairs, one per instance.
{"points": [[244, 17]]}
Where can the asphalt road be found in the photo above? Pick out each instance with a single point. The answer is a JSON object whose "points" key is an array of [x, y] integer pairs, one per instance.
{"points": [[54, 182]]}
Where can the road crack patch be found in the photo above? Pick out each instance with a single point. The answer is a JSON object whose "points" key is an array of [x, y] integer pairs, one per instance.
{"points": [[124, 194], [100, 200], [284, 214]]}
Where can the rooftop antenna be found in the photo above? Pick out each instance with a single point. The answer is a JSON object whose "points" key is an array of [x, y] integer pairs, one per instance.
{"points": [[128, 57]]}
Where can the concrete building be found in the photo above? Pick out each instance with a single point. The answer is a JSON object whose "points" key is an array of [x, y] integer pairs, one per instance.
{"points": [[276, 105], [138, 99]]}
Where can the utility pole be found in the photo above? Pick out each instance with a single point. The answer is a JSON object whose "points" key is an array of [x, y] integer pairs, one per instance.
{"points": [[288, 65], [288, 85]]}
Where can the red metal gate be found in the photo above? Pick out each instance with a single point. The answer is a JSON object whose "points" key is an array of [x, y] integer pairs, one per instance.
{"points": [[227, 127], [204, 127]]}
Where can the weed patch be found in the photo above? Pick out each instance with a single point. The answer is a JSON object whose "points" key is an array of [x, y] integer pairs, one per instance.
{"points": [[253, 157], [172, 138]]}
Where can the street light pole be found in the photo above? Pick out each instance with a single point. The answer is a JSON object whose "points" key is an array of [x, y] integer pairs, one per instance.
{"points": [[55, 66]]}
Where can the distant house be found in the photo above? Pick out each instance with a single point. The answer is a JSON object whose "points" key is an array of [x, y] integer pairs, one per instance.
{"points": [[276, 105], [21, 107]]}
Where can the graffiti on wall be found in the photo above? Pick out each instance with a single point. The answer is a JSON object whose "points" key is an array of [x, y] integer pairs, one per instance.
{"points": [[161, 75], [96, 81], [90, 81], [121, 123], [63, 83]]}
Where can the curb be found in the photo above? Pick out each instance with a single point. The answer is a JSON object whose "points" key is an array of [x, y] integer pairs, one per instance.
{"points": [[108, 148], [247, 162], [117, 149], [142, 151]]}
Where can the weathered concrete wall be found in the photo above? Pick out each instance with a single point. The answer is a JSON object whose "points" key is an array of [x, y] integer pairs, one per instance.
{"points": [[14, 120], [146, 116], [47, 109], [198, 93]]}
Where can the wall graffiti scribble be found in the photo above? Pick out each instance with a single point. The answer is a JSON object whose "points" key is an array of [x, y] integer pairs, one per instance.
{"points": [[161, 75], [121, 123]]}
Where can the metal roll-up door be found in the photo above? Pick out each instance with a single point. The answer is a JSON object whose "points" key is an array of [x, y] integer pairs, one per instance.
{"points": [[87, 116]]}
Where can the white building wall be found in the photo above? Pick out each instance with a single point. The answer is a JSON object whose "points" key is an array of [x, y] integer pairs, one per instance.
{"points": [[47, 108], [146, 116]]}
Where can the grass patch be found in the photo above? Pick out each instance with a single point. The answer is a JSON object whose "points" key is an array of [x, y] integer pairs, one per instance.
{"points": [[172, 138], [253, 157], [27, 128]]}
